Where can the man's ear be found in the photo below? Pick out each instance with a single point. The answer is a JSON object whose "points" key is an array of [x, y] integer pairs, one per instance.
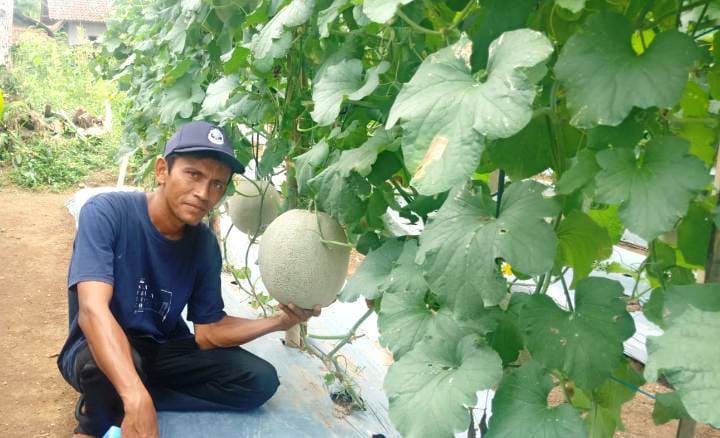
{"points": [[161, 170]]}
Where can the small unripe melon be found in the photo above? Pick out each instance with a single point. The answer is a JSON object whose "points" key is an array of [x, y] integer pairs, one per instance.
{"points": [[298, 268], [245, 210]]}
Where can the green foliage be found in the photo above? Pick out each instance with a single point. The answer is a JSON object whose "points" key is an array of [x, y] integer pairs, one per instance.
{"points": [[409, 105], [48, 82]]}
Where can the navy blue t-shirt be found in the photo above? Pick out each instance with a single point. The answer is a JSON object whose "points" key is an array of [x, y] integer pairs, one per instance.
{"points": [[153, 277]]}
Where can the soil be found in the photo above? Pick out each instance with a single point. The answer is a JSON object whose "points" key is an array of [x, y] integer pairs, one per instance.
{"points": [[36, 233]]}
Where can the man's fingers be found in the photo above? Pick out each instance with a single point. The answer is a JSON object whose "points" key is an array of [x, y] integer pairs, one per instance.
{"points": [[316, 310]]}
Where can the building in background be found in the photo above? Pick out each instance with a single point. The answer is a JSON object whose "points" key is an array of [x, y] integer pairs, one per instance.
{"points": [[6, 21], [84, 19]]}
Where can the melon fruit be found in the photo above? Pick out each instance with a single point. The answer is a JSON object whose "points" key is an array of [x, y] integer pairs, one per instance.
{"points": [[296, 267], [244, 207]]}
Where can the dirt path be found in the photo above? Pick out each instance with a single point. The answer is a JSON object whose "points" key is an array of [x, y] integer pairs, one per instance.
{"points": [[36, 234]]}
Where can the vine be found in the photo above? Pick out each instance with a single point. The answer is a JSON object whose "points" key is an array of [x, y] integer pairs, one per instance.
{"points": [[603, 117]]}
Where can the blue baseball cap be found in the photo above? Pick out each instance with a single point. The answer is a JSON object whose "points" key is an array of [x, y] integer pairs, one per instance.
{"points": [[199, 136]]}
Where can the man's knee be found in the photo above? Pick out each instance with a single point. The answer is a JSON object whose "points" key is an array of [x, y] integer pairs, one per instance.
{"points": [[258, 382]]}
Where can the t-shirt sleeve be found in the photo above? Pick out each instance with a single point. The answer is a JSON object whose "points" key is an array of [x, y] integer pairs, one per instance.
{"points": [[93, 250], [206, 304]]}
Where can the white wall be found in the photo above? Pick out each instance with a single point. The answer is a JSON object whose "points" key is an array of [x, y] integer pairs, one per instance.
{"points": [[81, 32]]}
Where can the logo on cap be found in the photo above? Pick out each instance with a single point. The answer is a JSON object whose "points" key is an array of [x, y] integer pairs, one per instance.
{"points": [[215, 136]]}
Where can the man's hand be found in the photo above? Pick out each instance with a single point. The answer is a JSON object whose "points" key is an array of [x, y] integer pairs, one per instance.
{"points": [[140, 419], [292, 315]]}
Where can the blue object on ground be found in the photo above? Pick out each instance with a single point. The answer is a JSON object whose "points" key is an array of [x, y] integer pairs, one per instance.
{"points": [[113, 432]]}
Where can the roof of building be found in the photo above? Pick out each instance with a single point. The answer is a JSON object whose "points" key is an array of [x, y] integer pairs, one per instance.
{"points": [[79, 10]]}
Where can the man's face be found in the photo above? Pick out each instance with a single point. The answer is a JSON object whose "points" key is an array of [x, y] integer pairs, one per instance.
{"points": [[194, 186]]}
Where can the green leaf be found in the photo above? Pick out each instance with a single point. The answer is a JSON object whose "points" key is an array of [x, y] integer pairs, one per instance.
{"points": [[491, 20], [381, 11], [190, 5], [654, 191], [694, 233], [341, 80], [235, 59], [459, 247], [179, 100], [581, 242], [405, 317], [273, 155], [606, 401], [625, 135], [520, 408], [507, 337], [694, 101], [372, 273], [430, 387], [573, 6], [343, 197], [580, 174], [685, 354], [217, 94], [605, 79], [701, 138], [533, 144], [668, 406], [330, 14], [341, 190], [586, 344], [608, 219], [274, 40], [447, 114], [308, 163]]}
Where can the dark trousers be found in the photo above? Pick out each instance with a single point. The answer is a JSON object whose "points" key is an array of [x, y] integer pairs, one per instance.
{"points": [[179, 377]]}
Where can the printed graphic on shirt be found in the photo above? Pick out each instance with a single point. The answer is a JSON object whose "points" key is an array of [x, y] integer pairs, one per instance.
{"points": [[148, 300]]}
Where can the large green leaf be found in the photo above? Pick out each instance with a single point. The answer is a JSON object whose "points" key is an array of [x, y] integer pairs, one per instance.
{"points": [[605, 79], [580, 174], [668, 406], [381, 11], [341, 80], [491, 20], [308, 163], [693, 234], [329, 14], [533, 143], [372, 273], [687, 354], [217, 94], [405, 317], [520, 408], [586, 344], [604, 403], [446, 113], [459, 247], [179, 100], [581, 242], [653, 191], [274, 40], [341, 189], [431, 386]]}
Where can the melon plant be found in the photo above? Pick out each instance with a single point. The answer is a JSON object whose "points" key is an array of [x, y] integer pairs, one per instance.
{"points": [[253, 206], [297, 264], [407, 105]]}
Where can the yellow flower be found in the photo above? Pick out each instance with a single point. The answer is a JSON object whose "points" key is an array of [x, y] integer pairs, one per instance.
{"points": [[506, 269]]}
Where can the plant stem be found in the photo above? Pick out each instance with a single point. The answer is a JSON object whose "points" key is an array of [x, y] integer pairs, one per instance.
{"points": [[471, 5], [416, 26], [334, 242], [700, 19], [567, 292], [351, 333]]}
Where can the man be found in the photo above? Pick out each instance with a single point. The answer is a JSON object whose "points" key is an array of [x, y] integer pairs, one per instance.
{"points": [[138, 259]]}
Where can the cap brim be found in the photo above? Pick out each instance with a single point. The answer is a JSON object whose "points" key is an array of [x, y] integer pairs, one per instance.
{"points": [[235, 165]]}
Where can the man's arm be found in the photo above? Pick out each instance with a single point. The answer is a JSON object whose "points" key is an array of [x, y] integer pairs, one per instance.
{"points": [[113, 355], [231, 331]]}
